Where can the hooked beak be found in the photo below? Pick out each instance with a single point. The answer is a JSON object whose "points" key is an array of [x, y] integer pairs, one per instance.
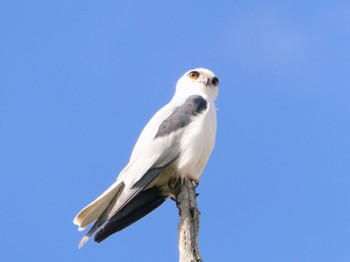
{"points": [[211, 81]]}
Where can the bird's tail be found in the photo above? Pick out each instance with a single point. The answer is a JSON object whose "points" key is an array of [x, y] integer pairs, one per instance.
{"points": [[120, 206], [93, 211]]}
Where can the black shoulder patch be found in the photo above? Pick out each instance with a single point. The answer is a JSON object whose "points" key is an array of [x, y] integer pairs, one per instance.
{"points": [[182, 115]]}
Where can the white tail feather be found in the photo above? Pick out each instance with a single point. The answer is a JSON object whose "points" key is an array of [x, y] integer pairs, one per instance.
{"points": [[83, 241], [93, 211]]}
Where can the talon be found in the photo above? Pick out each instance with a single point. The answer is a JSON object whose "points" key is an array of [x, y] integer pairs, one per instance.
{"points": [[194, 180]]}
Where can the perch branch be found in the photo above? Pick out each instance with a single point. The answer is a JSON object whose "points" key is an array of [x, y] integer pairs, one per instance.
{"points": [[188, 230]]}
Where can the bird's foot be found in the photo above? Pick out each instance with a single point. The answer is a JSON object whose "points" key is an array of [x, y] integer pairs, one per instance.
{"points": [[194, 180]]}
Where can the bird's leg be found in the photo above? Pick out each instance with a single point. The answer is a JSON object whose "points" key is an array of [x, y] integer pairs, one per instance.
{"points": [[171, 184]]}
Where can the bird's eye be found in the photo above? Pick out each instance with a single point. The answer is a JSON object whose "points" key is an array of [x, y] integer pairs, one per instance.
{"points": [[193, 74], [215, 81]]}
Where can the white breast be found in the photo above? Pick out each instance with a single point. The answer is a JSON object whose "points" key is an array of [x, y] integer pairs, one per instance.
{"points": [[197, 143]]}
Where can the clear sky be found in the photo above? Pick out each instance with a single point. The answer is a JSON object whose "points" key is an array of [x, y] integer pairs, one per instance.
{"points": [[80, 79]]}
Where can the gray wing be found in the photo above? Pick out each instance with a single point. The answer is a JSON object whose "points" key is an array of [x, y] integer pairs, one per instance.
{"points": [[182, 116]]}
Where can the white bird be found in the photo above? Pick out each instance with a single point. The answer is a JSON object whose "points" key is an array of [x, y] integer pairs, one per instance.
{"points": [[176, 142]]}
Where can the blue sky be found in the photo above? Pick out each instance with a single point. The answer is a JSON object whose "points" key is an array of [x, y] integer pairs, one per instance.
{"points": [[79, 80]]}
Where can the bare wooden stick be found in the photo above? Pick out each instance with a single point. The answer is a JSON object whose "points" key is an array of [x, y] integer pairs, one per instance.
{"points": [[189, 221]]}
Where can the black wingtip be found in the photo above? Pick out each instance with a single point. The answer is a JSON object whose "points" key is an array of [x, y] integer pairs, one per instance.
{"points": [[144, 203]]}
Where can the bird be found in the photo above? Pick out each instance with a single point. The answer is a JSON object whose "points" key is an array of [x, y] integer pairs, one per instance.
{"points": [[176, 143]]}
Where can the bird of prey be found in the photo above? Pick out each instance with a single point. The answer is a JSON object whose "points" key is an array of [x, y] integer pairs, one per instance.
{"points": [[176, 142]]}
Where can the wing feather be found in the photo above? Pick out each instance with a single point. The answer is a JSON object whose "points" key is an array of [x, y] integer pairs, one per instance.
{"points": [[144, 203]]}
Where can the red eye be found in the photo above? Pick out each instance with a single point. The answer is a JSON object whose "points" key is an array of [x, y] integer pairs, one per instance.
{"points": [[193, 74]]}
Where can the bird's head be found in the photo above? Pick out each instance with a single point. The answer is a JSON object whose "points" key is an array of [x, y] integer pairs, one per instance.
{"points": [[198, 81]]}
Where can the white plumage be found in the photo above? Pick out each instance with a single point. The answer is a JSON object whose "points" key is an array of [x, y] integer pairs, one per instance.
{"points": [[177, 141]]}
